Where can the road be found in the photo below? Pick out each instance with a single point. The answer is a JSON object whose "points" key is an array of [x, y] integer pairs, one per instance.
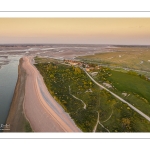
{"points": [[118, 97]]}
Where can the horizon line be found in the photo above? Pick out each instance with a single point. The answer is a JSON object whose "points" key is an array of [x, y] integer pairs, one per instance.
{"points": [[73, 44]]}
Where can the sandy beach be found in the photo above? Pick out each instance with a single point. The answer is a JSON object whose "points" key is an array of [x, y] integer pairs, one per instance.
{"points": [[43, 116], [33, 103]]}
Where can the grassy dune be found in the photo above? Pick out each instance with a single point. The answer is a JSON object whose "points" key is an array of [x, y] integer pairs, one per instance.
{"points": [[114, 116]]}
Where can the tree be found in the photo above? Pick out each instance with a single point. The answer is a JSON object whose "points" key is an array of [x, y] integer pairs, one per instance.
{"points": [[77, 70], [126, 122], [51, 76]]}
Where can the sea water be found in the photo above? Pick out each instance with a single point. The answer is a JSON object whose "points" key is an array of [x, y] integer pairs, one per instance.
{"points": [[8, 79]]}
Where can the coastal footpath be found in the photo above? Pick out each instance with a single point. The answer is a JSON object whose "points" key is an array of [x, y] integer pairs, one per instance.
{"points": [[33, 102]]}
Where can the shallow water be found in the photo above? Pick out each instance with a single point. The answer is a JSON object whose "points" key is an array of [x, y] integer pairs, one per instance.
{"points": [[8, 79]]}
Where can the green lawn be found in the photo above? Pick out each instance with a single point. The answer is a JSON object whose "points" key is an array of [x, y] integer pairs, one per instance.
{"points": [[130, 83]]}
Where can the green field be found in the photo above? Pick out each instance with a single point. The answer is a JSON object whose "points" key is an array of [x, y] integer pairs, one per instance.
{"points": [[136, 87], [136, 58], [114, 116]]}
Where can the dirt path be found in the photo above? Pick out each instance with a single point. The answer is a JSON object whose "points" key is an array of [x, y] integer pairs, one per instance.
{"points": [[118, 97], [95, 127], [109, 116], [98, 122], [84, 105], [104, 127], [44, 115]]}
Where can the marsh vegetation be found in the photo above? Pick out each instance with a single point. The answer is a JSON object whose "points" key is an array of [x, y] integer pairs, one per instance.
{"points": [[123, 58]]}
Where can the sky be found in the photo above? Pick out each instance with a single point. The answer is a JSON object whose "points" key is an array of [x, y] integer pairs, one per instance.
{"points": [[122, 31]]}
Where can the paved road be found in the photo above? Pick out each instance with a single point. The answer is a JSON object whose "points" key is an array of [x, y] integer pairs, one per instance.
{"points": [[118, 97]]}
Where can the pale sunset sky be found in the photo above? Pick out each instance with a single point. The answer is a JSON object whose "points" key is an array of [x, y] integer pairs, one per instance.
{"points": [[128, 31]]}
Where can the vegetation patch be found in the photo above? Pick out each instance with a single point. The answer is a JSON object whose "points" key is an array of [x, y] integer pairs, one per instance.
{"points": [[114, 116], [135, 87], [123, 58], [27, 127]]}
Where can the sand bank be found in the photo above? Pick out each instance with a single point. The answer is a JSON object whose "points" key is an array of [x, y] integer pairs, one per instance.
{"points": [[43, 116], [40, 109]]}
